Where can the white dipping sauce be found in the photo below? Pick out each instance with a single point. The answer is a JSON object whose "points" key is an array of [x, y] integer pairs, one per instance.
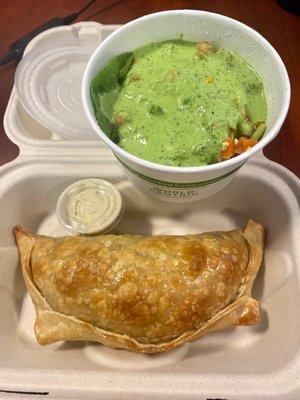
{"points": [[90, 206]]}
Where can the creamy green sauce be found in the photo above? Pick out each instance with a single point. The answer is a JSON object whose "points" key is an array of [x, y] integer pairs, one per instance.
{"points": [[177, 106]]}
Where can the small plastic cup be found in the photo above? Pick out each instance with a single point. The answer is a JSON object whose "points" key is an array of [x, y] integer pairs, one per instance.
{"points": [[89, 207], [48, 84]]}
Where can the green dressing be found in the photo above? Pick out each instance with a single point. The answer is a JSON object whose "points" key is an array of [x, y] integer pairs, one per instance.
{"points": [[176, 106]]}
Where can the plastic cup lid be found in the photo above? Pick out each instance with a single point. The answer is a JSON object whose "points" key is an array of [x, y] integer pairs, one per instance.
{"points": [[48, 83], [90, 206]]}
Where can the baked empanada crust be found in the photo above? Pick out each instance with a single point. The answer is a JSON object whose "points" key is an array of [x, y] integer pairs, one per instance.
{"points": [[145, 294]]}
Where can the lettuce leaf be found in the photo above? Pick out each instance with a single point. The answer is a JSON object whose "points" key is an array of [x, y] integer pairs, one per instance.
{"points": [[104, 90]]}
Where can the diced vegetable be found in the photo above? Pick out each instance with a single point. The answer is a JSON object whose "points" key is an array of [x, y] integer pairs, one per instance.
{"points": [[244, 144], [119, 120], [209, 80], [171, 75], [232, 147], [205, 48], [187, 100], [259, 131], [135, 78], [156, 110], [230, 60], [227, 149], [245, 128]]}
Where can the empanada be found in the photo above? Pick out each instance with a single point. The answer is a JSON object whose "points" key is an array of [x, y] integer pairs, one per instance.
{"points": [[142, 293]]}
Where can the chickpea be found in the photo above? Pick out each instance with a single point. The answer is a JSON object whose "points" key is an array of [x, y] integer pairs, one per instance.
{"points": [[119, 120], [205, 48], [135, 78]]}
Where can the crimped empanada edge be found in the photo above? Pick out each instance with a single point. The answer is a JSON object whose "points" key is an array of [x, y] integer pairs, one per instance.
{"points": [[26, 242], [254, 235]]}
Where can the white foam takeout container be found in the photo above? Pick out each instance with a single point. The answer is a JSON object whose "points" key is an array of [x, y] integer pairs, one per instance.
{"points": [[261, 362]]}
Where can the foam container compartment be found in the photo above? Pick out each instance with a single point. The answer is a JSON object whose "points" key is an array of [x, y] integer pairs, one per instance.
{"points": [[261, 362]]}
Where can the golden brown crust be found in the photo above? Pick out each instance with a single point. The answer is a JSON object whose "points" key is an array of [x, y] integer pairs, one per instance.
{"points": [[146, 294]]}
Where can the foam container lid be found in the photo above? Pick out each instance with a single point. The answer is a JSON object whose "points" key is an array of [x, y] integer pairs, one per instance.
{"points": [[261, 362]]}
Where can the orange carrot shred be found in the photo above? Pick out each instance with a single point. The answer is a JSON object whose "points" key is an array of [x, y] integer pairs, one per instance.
{"points": [[228, 151], [243, 144]]}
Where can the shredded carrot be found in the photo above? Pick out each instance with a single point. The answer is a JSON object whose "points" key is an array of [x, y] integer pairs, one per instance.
{"points": [[227, 149], [244, 144]]}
